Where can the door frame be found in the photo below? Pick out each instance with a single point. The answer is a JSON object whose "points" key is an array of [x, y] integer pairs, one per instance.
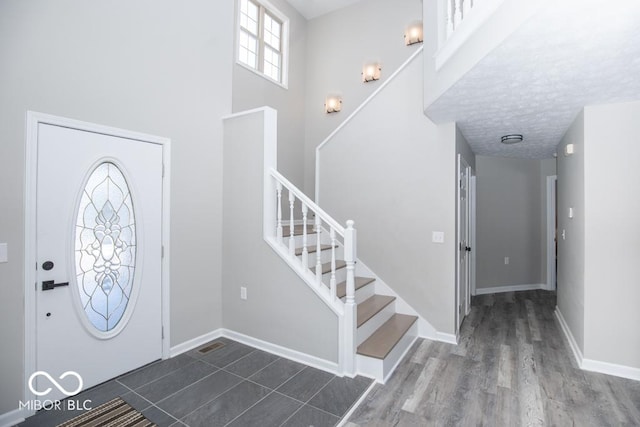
{"points": [[551, 232], [33, 120], [463, 164]]}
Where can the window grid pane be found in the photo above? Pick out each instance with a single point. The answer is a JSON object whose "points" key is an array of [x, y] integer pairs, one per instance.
{"points": [[249, 16], [248, 50], [260, 40], [272, 63]]}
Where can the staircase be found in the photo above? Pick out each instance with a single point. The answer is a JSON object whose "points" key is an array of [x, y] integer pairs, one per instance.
{"points": [[374, 334]]}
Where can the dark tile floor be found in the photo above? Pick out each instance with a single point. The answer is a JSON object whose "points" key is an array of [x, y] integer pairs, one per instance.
{"points": [[234, 385]]}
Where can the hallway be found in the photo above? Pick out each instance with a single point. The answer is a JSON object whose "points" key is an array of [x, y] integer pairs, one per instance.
{"points": [[512, 367]]}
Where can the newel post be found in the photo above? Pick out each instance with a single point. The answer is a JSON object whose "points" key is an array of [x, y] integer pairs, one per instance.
{"points": [[350, 310]]}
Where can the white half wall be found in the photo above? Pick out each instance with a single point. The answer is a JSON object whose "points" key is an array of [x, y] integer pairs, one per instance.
{"points": [[280, 307]]}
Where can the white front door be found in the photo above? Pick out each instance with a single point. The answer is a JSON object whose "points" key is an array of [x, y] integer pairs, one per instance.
{"points": [[99, 261]]}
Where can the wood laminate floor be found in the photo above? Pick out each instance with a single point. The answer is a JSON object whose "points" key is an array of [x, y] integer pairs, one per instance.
{"points": [[511, 368]]}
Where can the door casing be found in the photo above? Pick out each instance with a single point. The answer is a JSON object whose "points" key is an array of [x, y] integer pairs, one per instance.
{"points": [[33, 119]]}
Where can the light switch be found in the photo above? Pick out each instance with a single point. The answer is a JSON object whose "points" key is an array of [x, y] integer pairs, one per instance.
{"points": [[3, 252], [437, 237], [570, 212]]}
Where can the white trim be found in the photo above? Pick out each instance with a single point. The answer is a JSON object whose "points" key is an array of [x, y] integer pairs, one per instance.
{"points": [[355, 112], [195, 342], [14, 417], [33, 119], [510, 288], [284, 71], [473, 200], [345, 418], [573, 344], [551, 232], [594, 365], [247, 113], [472, 23], [611, 369], [444, 337], [278, 350]]}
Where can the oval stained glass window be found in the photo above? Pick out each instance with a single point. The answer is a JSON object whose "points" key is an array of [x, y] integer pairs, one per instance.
{"points": [[105, 247]]}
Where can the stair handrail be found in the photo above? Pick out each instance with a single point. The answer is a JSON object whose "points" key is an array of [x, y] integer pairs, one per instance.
{"points": [[275, 183], [355, 113], [307, 201]]}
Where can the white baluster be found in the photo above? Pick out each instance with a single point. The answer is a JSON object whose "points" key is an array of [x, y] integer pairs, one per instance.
{"points": [[292, 243], [332, 281], [318, 251], [305, 252], [450, 17], [279, 226], [466, 7], [350, 307], [458, 14]]}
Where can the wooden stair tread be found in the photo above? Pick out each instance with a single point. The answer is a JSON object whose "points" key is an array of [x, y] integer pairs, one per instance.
{"points": [[297, 230], [312, 249], [341, 288], [326, 267], [372, 306], [382, 341]]}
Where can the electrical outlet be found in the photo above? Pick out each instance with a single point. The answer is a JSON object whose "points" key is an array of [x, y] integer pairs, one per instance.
{"points": [[437, 237], [243, 292], [506, 260]]}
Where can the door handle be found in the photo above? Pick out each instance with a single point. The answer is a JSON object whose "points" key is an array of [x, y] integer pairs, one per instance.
{"points": [[468, 249], [50, 285]]}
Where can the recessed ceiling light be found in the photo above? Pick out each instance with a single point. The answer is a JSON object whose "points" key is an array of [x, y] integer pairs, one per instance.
{"points": [[511, 139]]}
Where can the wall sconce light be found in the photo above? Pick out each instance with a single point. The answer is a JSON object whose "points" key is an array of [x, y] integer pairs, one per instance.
{"points": [[413, 33], [569, 149], [371, 72], [333, 104]]}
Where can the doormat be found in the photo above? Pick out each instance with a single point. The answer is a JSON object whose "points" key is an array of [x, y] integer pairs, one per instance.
{"points": [[115, 413]]}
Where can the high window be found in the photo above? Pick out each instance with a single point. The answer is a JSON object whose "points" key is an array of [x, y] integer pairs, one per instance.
{"points": [[262, 40]]}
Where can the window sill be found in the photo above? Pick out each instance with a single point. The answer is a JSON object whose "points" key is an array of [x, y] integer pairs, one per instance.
{"points": [[264, 76]]}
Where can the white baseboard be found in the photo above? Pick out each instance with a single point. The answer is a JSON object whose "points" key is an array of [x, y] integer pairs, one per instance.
{"points": [[194, 342], [611, 369], [276, 349], [573, 344], [595, 365], [14, 417], [297, 356], [448, 338], [510, 288]]}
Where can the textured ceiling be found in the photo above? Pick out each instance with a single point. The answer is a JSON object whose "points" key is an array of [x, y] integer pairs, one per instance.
{"points": [[570, 54], [313, 8]]}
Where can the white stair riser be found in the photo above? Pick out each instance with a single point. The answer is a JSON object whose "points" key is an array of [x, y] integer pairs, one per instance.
{"points": [[381, 369], [372, 325], [341, 275], [365, 292]]}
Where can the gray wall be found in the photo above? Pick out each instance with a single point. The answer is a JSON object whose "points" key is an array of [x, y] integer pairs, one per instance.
{"points": [[612, 233], [280, 308], [151, 66], [463, 148], [510, 222], [251, 90], [571, 249], [339, 44], [392, 171]]}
